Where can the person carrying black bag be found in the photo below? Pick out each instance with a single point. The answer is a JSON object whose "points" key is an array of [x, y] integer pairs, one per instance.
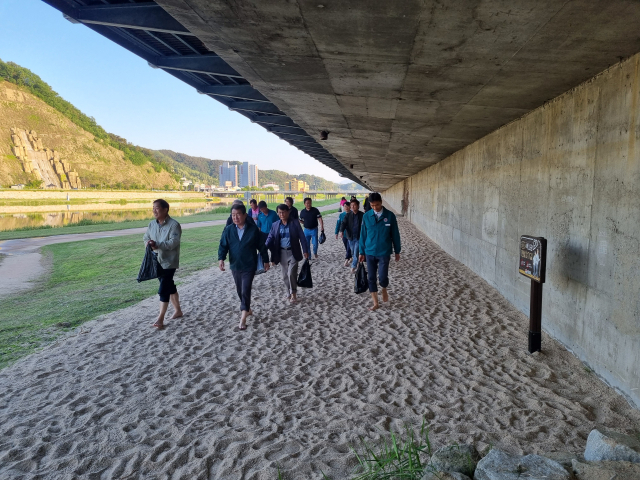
{"points": [[242, 241], [163, 236], [350, 225]]}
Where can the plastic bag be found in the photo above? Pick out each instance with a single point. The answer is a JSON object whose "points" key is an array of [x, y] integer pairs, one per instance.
{"points": [[362, 283], [304, 278], [260, 268], [149, 267], [323, 238]]}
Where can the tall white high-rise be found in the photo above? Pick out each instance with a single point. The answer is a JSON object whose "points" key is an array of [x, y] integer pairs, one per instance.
{"points": [[248, 175], [228, 173]]}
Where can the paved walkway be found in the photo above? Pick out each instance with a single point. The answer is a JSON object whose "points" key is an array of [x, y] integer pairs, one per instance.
{"points": [[16, 274]]}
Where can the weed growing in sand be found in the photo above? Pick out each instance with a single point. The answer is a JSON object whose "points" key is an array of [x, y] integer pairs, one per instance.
{"points": [[394, 456]]}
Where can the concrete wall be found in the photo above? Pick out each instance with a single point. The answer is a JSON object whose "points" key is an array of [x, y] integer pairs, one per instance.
{"points": [[568, 171]]}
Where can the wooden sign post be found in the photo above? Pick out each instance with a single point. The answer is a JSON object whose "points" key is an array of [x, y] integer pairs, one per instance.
{"points": [[533, 263]]}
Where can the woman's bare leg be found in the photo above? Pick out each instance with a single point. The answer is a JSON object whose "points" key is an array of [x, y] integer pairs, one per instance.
{"points": [[163, 310], [175, 301]]}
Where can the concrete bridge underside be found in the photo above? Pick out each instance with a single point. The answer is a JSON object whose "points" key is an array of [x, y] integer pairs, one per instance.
{"points": [[403, 85]]}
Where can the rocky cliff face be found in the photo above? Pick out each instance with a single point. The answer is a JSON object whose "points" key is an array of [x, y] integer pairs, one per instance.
{"points": [[45, 164], [61, 154]]}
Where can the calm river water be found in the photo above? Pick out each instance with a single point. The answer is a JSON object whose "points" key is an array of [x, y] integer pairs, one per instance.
{"points": [[12, 221]]}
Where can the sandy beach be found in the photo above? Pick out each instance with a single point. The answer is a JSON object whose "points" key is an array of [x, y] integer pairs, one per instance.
{"points": [[118, 399]]}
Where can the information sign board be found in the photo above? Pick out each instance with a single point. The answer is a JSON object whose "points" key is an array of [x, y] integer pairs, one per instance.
{"points": [[533, 257]]}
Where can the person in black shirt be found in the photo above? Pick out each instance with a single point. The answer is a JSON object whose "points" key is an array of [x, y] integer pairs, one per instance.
{"points": [[367, 205], [310, 217], [293, 211]]}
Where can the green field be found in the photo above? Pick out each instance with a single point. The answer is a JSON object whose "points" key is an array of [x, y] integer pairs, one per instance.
{"points": [[219, 213], [87, 279]]}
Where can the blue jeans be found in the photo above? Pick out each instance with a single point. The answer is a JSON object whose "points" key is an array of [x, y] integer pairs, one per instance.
{"points": [[354, 245], [378, 267], [312, 238], [347, 248]]}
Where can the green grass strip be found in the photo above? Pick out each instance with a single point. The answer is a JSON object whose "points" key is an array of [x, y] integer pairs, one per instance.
{"points": [[88, 279]]}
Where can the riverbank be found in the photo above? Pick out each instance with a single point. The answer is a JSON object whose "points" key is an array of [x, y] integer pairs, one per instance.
{"points": [[215, 213], [302, 383]]}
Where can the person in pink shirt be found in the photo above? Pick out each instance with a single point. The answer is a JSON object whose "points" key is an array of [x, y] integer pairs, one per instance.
{"points": [[254, 211]]}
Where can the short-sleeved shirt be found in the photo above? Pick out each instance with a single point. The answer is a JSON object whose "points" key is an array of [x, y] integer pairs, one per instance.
{"points": [[293, 213], [310, 218]]}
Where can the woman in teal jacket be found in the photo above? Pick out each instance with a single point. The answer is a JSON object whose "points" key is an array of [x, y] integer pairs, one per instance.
{"points": [[379, 235]]}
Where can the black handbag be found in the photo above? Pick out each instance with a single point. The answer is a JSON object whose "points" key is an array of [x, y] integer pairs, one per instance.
{"points": [[149, 267], [323, 237], [304, 278], [362, 283]]}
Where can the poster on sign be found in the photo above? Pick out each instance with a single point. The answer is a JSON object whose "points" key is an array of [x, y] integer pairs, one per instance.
{"points": [[533, 257]]}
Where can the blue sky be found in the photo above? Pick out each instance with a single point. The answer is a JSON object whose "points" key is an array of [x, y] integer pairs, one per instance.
{"points": [[147, 107]]}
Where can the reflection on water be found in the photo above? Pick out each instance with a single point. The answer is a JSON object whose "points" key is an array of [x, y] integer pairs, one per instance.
{"points": [[60, 219]]}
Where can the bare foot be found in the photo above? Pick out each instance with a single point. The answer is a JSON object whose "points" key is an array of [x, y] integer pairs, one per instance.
{"points": [[293, 298], [347, 262], [374, 308], [353, 270], [385, 295], [159, 324], [249, 313], [178, 314]]}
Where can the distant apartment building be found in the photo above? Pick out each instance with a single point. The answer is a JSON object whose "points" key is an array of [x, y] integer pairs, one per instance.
{"points": [[275, 186], [228, 173], [296, 185], [248, 175]]}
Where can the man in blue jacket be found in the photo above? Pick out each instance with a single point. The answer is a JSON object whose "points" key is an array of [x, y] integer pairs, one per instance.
{"points": [[378, 235], [242, 241], [284, 240], [266, 218]]}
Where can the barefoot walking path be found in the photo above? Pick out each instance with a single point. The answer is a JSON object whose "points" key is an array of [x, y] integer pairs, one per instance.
{"points": [[199, 400]]}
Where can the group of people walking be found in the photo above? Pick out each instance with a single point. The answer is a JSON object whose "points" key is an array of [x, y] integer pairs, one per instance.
{"points": [[282, 238]]}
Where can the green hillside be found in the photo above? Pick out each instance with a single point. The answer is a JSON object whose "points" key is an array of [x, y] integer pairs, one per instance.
{"points": [[101, 159]]}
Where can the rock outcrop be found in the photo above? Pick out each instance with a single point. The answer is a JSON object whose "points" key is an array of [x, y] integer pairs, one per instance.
{"points": [[42, 162]]}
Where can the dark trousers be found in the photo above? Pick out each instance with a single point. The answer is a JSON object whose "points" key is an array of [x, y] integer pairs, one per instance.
{"points": [[347, 248], [167, 285], [378, 267], [244, 282]]}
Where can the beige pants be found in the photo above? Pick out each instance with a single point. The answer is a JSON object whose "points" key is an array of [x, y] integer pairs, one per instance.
{"points": [[289, 267]]}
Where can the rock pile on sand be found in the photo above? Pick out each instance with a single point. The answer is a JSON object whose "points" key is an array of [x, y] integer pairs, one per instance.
{"points": [[608, 455]]}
